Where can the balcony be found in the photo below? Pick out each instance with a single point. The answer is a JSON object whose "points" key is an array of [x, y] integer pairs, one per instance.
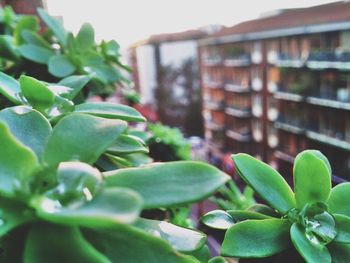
{"points": [[238, 136], [339, 141], [211, 125], [238, 112], [214, 105], [272, 113], [287, 61], [257, 84], [291, 92], [257, 110], [212, 61], [284, 155], [212, 84], [242, 60], [257, 134], [329, 59], [291, 125], [338, 100], [236, 87]]}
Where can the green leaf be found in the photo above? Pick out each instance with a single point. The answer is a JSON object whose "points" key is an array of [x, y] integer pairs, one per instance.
{"points": [[25, 23], [340, 252], [129, 245], [310, 169], [8, 49], [17, 162], [169, 184], [28, 126], [105, 73], [217, 260], [343, 228], [81, 137], [9, 87], [311, 251], [55, 243], [266, 181], [339, 199], [60, 66], [12, 215], [110, 206], [37, 93], [76, 83], [110, 110], [181, 239], [241, 215], [86, 37], [55, 26], [202, 254], [218, 219], [35, 53], [127, 144], [256, 238], [35, 39]]}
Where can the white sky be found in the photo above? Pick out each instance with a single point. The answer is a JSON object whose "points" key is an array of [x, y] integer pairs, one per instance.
{"points": [[128, 21]]}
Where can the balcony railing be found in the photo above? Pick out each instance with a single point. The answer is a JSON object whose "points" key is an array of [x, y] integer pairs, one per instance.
{"points": [[212, 84], [238, 61], [211, 125], [329, 59], [291, 125], [214, 105], [286, 60], [238, 136], [236, 87], [212, 61], [339, 141], [238, 112], [287, 93]]}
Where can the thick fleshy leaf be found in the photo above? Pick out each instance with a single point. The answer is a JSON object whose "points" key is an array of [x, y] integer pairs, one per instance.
{"points": [[110, 110], [81, 137], [310, 249], [55, 26], [36, 53], [34, 38], [55, 243], [266, 181], [129, 245], [9, 87], [76, 182], [340, 252], [37, 93], [60, 66], [217, 260], [343, 228], [181, 239], [127, 144], [8, 49], [28, 126], [339, 199], [86, 37], [109, 207], [17, 162], [256, 238], [76, 83], [169, 184], [202, 254], [218, 219], [13, 214], [310, 169], [25, 23], [241, 215]]}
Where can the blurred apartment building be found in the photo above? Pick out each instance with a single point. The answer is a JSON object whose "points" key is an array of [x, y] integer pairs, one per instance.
{"points": [[166, 74], [279, 84]]}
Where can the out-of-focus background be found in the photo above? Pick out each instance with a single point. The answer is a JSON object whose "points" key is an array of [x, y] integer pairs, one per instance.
{"points": [[268, 78]]}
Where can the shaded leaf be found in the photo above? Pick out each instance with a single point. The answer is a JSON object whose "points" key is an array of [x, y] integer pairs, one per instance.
{"points": [[256, 238], [155, 183], [339, 199], [340, 252], [60, 66], [76, 83], [343, 229], [127, 144], [241, 215], [35, 53], [8, 49], [311, 251], [25, 23], [9, 87], [34, 38]]}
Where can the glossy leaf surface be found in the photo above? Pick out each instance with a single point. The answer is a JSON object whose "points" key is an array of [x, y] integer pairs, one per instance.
{"points": [[256, 238], [127, 144], [266, 181], [339, 199], [169, 184], [9, 87], [218, 219]]}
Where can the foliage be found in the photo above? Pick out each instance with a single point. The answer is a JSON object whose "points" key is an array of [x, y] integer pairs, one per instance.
{"points": [[314, 219], [57, 54], [63, 194]]}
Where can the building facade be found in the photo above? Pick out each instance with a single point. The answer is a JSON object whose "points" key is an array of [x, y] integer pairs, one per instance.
{"points": [[280, 84]]}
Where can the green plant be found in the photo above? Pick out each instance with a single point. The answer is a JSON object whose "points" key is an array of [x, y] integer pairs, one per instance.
{"points": [[315, 219], [167, 144], [57, 206]]}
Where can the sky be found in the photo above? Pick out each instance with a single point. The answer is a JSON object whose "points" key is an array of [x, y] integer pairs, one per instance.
{"points": [[128, 21]]}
